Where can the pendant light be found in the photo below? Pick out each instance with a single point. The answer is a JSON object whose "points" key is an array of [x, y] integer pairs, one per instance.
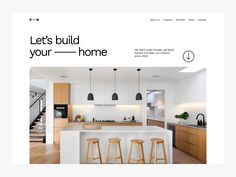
{"points": [[139, 95], [114, 95], [90, 95]]}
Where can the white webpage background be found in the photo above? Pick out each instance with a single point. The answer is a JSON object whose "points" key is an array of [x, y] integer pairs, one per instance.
{"points": [[120, 34]]}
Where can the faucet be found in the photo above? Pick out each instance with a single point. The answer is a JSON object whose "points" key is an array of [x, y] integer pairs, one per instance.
{"points": [[203, 119]]}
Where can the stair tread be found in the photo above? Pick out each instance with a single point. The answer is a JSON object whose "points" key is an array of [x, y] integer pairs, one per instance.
{"points": [[36, 139], [37, 134], [40, 122], [38, 125], [36, 130]]}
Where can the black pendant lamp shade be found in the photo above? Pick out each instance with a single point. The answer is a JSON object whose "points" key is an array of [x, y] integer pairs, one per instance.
{"points": [[114, 95], [139, 95], [90, 95]]}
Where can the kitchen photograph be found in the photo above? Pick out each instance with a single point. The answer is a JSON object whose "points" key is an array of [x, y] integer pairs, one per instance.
{"points": [[118, 115]]}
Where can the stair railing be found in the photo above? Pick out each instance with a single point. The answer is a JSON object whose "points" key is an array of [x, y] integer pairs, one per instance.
{"points": [[37, 106]]}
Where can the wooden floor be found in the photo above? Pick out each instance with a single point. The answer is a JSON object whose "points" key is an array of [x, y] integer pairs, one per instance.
{"points": [[41, 153], [180, 157]]}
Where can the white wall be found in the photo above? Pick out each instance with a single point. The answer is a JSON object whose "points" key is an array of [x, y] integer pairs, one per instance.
{"points": [[49, 112], [41, 83], [190, 96], [191, 89]]}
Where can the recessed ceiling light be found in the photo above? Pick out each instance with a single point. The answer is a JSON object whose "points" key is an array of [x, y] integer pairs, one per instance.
{"points": [[63, 76], [155, 76]]}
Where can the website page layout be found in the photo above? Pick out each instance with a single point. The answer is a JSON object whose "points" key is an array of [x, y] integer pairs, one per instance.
{"points": [[112, 88]]}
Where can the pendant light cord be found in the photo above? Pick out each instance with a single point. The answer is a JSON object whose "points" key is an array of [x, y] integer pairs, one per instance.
{"points": [[138, 79], [90, 69], [90, 81], [114, 80]]}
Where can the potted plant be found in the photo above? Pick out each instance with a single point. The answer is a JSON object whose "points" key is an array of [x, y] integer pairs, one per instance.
{"points": [[182, 117]]}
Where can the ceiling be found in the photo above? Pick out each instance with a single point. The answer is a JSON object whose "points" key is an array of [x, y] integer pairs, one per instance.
{"points": [[105, 74]]}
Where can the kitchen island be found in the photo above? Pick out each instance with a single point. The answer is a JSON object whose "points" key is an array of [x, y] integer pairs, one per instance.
{"points": [[73, 141]]}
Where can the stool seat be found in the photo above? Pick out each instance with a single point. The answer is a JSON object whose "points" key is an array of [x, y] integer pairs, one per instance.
{"points": [[137, 141], [157, 140], [92, 140], [114, 140]]}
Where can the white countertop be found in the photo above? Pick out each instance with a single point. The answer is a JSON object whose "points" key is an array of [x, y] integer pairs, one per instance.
{"points": [[120, 129]]}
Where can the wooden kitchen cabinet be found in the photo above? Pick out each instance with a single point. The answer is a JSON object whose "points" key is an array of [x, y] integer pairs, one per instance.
{"points": [[152, 122], [61, 93], [192, 141], [59, 124]]}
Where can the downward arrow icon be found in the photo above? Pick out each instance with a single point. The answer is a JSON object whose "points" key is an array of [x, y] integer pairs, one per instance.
{"points": [[188, 57]]}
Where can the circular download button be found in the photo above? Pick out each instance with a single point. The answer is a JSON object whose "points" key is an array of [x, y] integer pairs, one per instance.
{"points": [[188, 56]]}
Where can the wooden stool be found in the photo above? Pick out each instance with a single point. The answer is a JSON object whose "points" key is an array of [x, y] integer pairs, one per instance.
{"points": [[155, 142], [139, 143], [116, 142], [93, 141]]}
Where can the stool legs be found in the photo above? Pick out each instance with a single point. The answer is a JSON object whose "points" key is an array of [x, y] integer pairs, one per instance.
{"points": [[155, 158], [99, 152], [121, 158], [151, 152], [140, 153], [164, 152], [92, 143], [92, 153], [130, 152], [117, 149], [87, 152], [108, 153]]}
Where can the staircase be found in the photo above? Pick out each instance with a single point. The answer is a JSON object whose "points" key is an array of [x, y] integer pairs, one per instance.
{"points": [[38, 128]]}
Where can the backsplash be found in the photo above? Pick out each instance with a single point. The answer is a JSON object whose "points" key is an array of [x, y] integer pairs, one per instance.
{"points": [[117, 112], [193, 109]]}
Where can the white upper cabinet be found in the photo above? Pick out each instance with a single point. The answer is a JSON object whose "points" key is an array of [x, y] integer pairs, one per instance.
{"points": [[109, 89], [103, 94], [99, 93], [123, 93]]}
